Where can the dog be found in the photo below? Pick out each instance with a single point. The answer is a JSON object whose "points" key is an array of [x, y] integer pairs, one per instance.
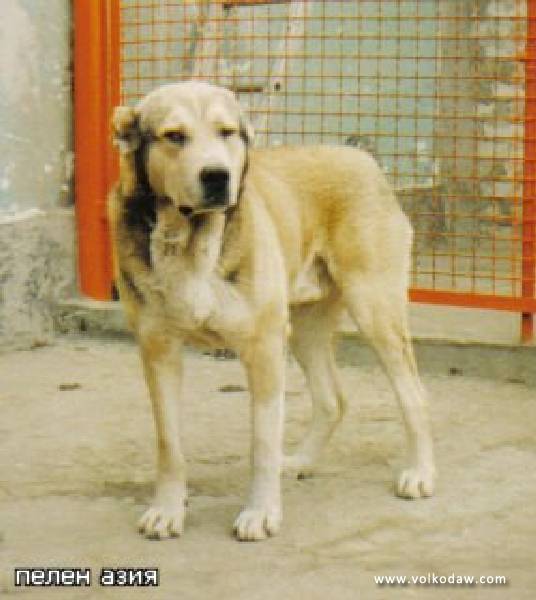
{"points": [[221, 245]]}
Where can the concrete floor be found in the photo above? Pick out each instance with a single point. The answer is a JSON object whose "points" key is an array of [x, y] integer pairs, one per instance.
{"points": [[77, 466]]}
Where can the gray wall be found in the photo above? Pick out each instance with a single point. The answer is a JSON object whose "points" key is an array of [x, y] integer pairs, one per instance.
{"points": [[36, 215]]}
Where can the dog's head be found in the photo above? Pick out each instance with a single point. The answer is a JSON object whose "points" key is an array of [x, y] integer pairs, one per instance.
{"points": [[188, 143]]}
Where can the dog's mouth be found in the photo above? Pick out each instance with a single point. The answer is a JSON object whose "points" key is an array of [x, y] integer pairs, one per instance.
{"points": [[188, 211], [166, 202]]}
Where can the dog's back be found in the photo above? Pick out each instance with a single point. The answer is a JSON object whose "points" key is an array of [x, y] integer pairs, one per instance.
{"points": [[334, 202]]}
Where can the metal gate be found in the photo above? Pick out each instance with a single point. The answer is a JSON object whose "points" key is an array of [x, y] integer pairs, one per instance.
{"points": [[442, 93]]}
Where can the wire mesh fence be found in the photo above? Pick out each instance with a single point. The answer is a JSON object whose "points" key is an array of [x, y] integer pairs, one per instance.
{"points": [[436, 91]]}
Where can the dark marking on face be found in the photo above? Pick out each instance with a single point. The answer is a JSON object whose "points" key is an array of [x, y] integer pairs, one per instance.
{"points": [[232, 210], [140, 218], [232, 276], [132, 287], [139, 212], [244, 136], [245, 169], [186, 211], [140, 161], [129, 132], [197, 221]]}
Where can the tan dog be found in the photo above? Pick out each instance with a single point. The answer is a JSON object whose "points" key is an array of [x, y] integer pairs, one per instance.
{"points": [[221, 245]]}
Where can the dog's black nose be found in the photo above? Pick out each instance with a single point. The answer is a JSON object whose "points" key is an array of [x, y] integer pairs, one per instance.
{"points": [[215, 182]]}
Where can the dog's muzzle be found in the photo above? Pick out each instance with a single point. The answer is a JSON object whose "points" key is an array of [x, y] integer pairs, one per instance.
{"points": [[215, 186]]}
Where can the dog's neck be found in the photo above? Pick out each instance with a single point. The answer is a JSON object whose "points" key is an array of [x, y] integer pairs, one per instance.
{"points": [[194, 243]]}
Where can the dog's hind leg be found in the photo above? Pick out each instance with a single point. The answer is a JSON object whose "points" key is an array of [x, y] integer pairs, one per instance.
{"points": [[161, 358], [377, 303], [311, 344]]}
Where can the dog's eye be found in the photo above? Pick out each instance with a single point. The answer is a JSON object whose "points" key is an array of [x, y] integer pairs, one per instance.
{"points": [[226, 132], [176, 137]]}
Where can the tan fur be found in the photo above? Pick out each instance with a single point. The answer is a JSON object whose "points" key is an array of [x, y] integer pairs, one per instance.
{"points": [[313, 231]]}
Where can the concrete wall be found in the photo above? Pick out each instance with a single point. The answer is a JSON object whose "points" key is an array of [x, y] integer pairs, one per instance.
{"points": [[36, 214]]}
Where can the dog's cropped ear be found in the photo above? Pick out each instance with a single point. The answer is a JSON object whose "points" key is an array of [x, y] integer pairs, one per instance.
{"points": [[127, 137], [247, 133], [126, 130]]}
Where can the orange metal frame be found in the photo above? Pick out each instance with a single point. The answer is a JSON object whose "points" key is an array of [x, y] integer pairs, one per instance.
{"points": [[96, 92], [98, 89], [528, 287]]}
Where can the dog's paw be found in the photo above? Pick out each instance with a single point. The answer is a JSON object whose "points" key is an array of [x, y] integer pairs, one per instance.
{"points": [[415, 483], [298, 466], [254, 524], [162, 521]]}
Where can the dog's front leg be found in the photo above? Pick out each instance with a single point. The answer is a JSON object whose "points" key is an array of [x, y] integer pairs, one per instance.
{"points": [[265, 365], [162, 364]]}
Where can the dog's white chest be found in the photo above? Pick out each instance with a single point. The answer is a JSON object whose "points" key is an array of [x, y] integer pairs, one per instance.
{"points": [[197, 302]]}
